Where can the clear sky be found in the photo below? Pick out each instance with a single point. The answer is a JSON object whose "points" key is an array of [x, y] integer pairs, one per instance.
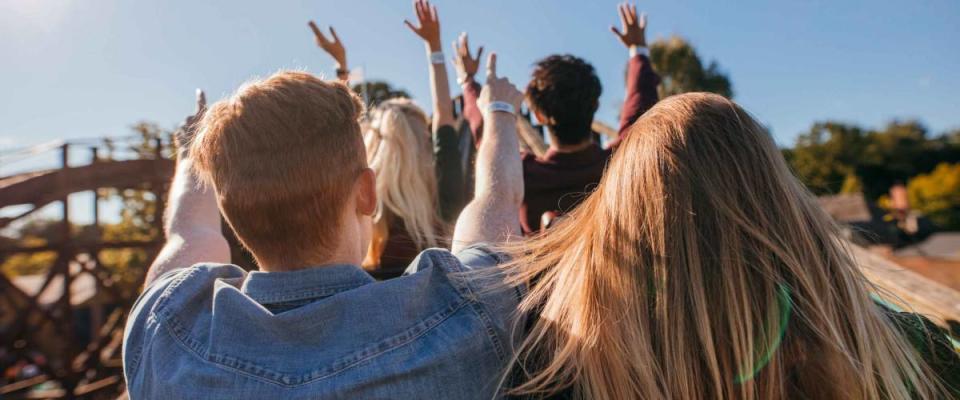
{"points": [[72, 68]]}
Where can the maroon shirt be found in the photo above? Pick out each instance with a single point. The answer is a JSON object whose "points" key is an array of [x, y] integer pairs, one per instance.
{"points": [[560, 181]]}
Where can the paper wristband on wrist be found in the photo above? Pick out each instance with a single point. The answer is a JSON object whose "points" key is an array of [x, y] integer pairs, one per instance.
{"points": [[642, 50], [436, 57], [501, 106]]}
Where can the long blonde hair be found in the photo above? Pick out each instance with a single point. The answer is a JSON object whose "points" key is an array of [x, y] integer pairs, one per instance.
{"points": [[702, 269], [399, 149]]}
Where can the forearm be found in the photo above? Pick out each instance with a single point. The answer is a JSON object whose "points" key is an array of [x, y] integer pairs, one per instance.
{"points": [[440, 89], [471, 91], [449, 172], [493, 214], [192, 225], [641, 93]]}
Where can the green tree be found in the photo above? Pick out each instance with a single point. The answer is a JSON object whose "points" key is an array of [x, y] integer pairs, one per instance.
{"points": [[681, 70], [831, 154], [138, 216], [375, 92], [937, 195], [826, 155]]}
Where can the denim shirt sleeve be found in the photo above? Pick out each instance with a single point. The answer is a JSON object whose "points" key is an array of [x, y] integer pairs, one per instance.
{"points": [[500, 300], [141, 320]]}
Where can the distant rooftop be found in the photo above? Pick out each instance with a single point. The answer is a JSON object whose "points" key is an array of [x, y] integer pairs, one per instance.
{"points": [[846, 208], [943, 245]]}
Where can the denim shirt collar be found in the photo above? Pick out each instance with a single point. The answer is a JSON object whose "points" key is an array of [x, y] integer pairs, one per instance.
{"points": [[309, 283]]}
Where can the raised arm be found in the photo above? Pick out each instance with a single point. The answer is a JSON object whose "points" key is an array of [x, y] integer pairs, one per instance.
{"points": [[491, 217], [192, 219], [334, 48], [466, 67], [641, 79], [429, 31]]}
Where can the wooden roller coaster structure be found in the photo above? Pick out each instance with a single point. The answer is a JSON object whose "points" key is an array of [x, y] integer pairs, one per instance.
{"points": [[80, 370]]}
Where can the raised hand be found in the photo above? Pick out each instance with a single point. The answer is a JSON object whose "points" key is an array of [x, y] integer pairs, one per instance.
{"points": [[183, 137], [333, 47], [634, 28], [498, 89], [465, 64], [429, 29]]}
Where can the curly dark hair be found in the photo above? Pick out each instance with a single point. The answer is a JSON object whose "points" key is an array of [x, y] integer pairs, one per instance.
{"points": [[565, 90]]}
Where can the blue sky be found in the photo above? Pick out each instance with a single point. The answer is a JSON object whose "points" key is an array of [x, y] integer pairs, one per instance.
{"points": [[72, 68]]}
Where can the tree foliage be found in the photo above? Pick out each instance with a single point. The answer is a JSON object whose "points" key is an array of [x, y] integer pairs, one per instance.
{"points": [[375, 92], [138, 217], [937, 195], [833, 156], [681, 70]]}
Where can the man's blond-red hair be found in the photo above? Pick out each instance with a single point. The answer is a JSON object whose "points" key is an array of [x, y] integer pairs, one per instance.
{"points": [[282, 155]]}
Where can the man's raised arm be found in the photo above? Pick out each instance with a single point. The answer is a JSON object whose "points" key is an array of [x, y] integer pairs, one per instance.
{"points": [[492, 215], [192, 224], [642, 81]]}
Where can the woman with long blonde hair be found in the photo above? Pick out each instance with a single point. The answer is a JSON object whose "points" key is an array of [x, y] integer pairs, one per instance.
{"points": [[701, 268], [407, 220]]}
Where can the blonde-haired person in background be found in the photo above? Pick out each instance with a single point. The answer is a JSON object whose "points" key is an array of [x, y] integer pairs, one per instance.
{"points": [[701, 268], [420, 182], [407, 220]]}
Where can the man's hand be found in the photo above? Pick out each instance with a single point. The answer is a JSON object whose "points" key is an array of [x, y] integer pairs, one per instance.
{"points": [[192, 219], [429, 29], [333, 47], [498, 89], [183, 137], [634, 28], [465, 64]]}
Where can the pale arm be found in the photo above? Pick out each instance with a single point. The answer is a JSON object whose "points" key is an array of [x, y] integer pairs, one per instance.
{"points": [[492, 216], [192, 219], [429, 31]]}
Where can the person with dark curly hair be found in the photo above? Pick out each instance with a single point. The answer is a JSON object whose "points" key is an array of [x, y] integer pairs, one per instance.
{"points": [[564, 94]]}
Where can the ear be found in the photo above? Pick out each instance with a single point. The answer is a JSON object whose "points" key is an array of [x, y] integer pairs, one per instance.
{"points": [[366, 190]]}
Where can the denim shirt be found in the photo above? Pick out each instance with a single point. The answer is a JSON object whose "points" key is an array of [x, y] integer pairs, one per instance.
{"points": [[213, 331]]}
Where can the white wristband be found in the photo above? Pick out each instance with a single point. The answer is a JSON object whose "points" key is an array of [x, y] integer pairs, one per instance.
{"points": [[501, 106], [634, 50], [436, 57]]}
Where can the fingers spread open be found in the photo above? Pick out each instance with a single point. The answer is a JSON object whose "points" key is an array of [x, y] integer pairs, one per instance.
{"points": [[412, 28], [334, 34], [317, 32], [616, 31], [418, 9]]}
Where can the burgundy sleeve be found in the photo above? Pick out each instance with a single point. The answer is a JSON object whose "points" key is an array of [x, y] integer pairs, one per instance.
{"points": [[471, 91], [642, 84]]}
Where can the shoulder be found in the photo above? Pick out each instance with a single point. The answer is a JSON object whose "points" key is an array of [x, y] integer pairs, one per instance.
{"points": [[934, 345], [175, 288], [473, 272]]}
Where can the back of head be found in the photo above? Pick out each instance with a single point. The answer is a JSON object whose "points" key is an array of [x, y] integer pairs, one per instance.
{"points": [[399, 149], [701, 268], [282, 155], [565, 91]]}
